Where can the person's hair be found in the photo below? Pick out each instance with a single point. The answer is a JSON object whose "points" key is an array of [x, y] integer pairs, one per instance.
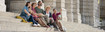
{"points": [[27, 3], [32, 4], [54, 9], [47, 7], [39, 2]]}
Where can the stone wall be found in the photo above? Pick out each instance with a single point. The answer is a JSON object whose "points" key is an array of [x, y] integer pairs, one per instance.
{"points": [[90, 12], [17, 6], [51, 3], [96, 13], [102, 9], [73, 11]]}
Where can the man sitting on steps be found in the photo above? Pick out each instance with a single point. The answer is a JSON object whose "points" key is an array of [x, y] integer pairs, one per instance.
{"points": [[40, 13]]}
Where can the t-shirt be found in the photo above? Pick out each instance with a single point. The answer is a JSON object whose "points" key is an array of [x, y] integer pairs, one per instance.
{"points": [[39, 10], [47, 14], [23, 12], [55, 16], [34, 12]]}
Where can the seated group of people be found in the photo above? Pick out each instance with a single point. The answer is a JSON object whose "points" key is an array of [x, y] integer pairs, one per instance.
{"points": [[39, 17]]}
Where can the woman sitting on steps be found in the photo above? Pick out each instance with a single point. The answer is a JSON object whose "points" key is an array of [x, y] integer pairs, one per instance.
{"points": [[26, 14], [34, 14]]}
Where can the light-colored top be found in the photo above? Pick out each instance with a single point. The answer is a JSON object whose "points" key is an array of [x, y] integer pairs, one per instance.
{"points": [[47, 14]]}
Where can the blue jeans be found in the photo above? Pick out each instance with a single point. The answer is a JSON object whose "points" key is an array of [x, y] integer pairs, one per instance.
{"points": [[32, 20], [28, 18]]}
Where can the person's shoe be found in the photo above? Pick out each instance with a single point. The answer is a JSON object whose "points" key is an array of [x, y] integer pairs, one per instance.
{"points": [[38, 25], [64, 29], [34, 25]]}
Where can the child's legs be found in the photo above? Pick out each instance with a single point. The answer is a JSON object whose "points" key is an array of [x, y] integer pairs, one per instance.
{"points": [[43, 22], [43, 19], [59, 25], [53, 23], [46, 18], [39, 21]]}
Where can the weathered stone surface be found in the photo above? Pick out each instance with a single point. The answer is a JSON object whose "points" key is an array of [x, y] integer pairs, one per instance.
{"points": [[11, 24], [17, 6], [51, 3], [76, 10], [60, 4], [88, 8], [64, 14], [69, 7], [90, 13], [2, 6]]}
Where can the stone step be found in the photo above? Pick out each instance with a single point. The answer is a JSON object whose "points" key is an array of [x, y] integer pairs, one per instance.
{"points": [[28, 31], [11, 24], [8, 23], [76, 27], [8, 14], [22, 28], [11, 19]]}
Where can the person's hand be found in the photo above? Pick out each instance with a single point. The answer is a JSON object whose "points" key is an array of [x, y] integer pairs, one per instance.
{"points": [[60, 10], [35, 13], [40, 14], [29, 14]]}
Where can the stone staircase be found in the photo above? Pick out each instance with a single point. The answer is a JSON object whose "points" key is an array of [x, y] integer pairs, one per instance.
{"points": [[8, 23]]}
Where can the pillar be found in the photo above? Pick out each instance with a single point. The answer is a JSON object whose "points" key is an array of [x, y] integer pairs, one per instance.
{"points": [[76, 11], [2, 6], [90, 12], [60, 4], [69, 7]]}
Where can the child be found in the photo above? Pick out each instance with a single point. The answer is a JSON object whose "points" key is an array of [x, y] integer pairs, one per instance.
{"points": [[50, 19], [55, 17]]}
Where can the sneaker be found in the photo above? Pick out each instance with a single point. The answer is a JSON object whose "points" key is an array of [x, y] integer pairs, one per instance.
{"points": [[34, 25], [38, 25], [64, 29]]}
